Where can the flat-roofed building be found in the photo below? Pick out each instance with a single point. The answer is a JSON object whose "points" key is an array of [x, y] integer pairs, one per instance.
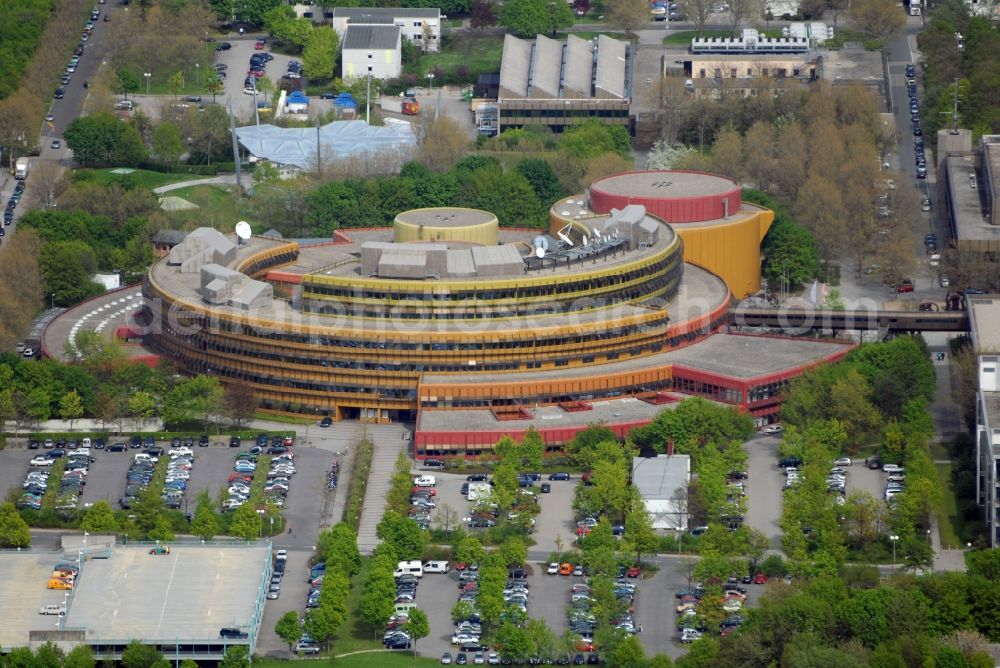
{"points": [[662, 482]]}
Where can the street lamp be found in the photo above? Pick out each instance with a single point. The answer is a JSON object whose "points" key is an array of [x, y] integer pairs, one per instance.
{"points": [[894, 538], [197, 75], [52, 300], [147, 75], [430, 80]]}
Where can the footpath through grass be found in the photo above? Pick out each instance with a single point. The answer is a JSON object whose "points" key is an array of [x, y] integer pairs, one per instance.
{"points": [[951, 526]]}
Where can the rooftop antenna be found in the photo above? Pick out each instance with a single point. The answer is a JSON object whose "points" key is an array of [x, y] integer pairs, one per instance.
{"points": [[597, 234], [243, 232]]}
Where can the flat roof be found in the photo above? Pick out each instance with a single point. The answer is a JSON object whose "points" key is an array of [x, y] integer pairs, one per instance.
{"points": [[991, 404], [390, 12], [665, 184], [968, 215], [578, 208], [446, 217], [22, 592], [190, 593], [626, 409], [661, 478], [747, 356], [984, 323], [740, 356]]}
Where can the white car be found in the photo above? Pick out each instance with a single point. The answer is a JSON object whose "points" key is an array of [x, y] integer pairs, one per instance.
{"points": [[425, 481], [553, 568], [181, 451], [843, 461], [42, 461], [773, 429], [892, 468]]}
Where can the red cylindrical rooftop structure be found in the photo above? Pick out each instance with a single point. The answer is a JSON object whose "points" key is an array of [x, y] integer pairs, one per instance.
{"points": [[677, 197]]}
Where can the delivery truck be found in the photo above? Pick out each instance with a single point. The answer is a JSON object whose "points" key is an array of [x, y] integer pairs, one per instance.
{"points": [[21, 168]]}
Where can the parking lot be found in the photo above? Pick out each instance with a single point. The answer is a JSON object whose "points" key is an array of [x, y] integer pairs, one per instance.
{"points": [[238, 61], [766, 481], [212, 465], [554, 521]]}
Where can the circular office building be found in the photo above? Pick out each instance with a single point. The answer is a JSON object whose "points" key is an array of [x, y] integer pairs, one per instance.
{"points": [[353, 327]]}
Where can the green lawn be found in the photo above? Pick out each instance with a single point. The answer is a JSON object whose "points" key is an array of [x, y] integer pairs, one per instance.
{"points": [[194, 77], [950, 524], [141, 177], [355, 635], [476, 53], [217, 207], [378, 659]]}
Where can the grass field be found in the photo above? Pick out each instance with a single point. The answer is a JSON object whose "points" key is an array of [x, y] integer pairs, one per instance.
{"points": [[951, 527], [377, 659], [216, 206], [476, 53], [141, 177], [354, 635]]}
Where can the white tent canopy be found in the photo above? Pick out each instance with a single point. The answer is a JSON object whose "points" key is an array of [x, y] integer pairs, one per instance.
{"points": [[339, 139]]}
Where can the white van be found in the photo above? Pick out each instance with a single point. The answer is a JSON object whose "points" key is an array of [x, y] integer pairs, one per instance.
{"points": [[412, 567], [53, 609], [85, 443], [437, 567], [143, 457], [425, 481]]}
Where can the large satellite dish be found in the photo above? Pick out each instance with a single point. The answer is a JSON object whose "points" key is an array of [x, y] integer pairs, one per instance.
{"points": [[243, 230], [539, 252], [565, 238]]}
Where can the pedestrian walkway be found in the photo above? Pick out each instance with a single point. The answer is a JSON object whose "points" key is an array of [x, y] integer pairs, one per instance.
{"points": [[388, 442]]}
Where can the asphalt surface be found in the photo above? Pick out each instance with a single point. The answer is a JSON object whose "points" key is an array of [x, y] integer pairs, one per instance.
{"points": [[238, 60], [766, 482]]}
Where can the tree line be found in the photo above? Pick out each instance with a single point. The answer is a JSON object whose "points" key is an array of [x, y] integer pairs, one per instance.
{"points": [[818, 153]]}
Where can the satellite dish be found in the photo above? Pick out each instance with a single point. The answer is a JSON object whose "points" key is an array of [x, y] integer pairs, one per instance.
{"points": [[566, 239], [597, 233], [243, 230], [539, 252], [584, 239], [541, 242]]}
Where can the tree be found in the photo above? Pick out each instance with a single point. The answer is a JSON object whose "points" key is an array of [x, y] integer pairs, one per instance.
{"points": [[699, 11], [639, 537], [879, 19], [130, 149], [237, 656], [320, 53], [94, 138], [14, 531], [99, 519], [241, 403], [245, 523], [168, 146], [338, 546], [514, 641], [214, 86], [418, 626], [483, 15], [142, 406], [738, 11], [542, 178], [445, 143], [377, 600], [627, 14], [126, 81], [80, 656], [70, 407], [48, 183], [289, 628], [265, 86], [198, 398], [175, 83], [527, 18], [137, 655], [205, 523], [403, 534]]}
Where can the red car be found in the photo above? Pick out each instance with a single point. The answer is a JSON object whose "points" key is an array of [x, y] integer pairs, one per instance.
{"points": [[584, 646], [583, 531], [460, 565], [905, 286], [259, 46], [256, 73], [424, 490], [633, 572], [759, 579]]}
